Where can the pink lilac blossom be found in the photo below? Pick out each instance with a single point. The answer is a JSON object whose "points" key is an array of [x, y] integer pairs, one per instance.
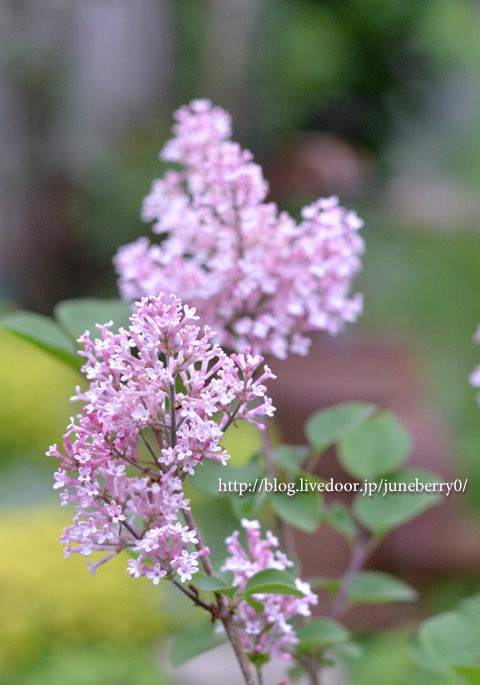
{"points": [[475, 375], [254, 274], [267, 632], [160, 395]]}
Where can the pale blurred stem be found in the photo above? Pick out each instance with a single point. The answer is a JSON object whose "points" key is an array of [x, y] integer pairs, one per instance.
{"points": [[234, 637], [286, 532], [313, 669], [360, 551]]}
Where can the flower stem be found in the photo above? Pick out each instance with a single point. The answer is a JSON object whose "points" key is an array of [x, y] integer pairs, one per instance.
{"points": [[224, 612], [191, 523], [234, 637], [360, 551]]}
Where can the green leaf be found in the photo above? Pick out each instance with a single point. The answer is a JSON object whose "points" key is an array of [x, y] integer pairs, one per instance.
{"points": [[320, 633], [272, 581], [248, 473], [258, 660], [45, 334], [242, 440], [296, 673], [374, 587], [330, 585], [419, 655], [290, 457], [245, 507], [246, 481], [215, 584], [302, 509], [215, 522], [258, 606], [451, 639], [338, 516], [194, 641], [470, 674], [216, 480], [348, 650], [471, 606], [328, 425], [211, 477], [228, 577], [78, 316], [375, 447], [382, 513]]}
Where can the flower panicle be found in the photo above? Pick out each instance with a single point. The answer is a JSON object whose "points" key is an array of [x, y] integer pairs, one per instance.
{"points": [[266, 631], [160, 394], [256, 276]]}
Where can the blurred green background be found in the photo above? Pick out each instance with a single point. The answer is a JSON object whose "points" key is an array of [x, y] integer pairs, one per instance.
{"points": [[374, 100]]}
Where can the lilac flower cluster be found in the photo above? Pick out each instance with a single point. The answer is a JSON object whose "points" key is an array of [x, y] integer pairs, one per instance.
{"points": [[267, 632], [160, 396], [475, 375], [254, 274]]}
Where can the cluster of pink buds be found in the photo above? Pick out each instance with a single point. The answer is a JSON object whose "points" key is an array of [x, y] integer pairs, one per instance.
{"points": [[160, 396], [266, 631], [254, 275]]}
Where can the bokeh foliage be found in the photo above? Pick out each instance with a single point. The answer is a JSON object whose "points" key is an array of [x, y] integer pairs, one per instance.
{"points": [[52, 605]]}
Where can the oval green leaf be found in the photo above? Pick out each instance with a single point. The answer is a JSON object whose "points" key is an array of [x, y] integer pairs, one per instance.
{"points": [[290, 457], [211, 478], [375, 447], [272, 581], [320, 633], [376, 588], [80, 315], [245, 507], [328, 425], [339, 518], [214, 584], [304, 508], [452, 638], [45, 334], [330, 585], [382, 513]]}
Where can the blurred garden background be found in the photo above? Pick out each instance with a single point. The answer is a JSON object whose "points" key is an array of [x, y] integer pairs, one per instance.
{"points": [[377, 101]]}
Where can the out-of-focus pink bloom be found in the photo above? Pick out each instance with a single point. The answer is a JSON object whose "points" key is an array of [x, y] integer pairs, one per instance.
{"points": [[256, 276], [475, 375]]}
